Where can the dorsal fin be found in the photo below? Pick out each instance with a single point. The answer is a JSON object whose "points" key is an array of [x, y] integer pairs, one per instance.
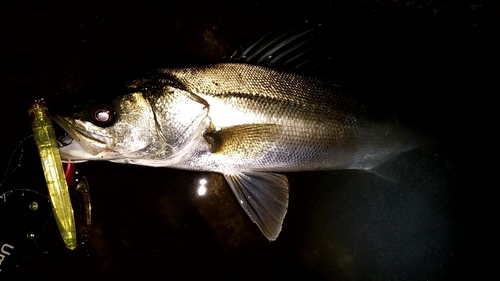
{"points": [[296, 50]]}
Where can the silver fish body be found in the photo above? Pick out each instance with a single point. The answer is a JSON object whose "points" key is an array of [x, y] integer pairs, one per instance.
{"points": [[240, 120]]}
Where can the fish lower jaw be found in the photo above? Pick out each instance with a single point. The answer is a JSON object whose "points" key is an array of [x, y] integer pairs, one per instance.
{"points": [[74, 152]]}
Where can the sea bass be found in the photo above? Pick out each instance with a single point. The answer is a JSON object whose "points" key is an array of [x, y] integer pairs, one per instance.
{"points": [[241, 120]]}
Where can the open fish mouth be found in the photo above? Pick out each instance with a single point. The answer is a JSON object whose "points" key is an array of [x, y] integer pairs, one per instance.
{"points": [[79, 146], [62, 137]]}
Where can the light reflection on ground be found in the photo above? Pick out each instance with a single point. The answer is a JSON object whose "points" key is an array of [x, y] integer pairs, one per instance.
{"points": [[202, 188]]}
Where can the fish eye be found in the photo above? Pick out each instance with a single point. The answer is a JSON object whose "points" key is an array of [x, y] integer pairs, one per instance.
{"points": [[102, 115]]}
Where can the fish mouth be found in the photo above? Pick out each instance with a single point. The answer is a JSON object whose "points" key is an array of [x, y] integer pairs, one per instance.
{"points": [[80, 146]]}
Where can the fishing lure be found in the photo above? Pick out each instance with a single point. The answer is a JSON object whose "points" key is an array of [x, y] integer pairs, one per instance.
{"points": [[44, 135]]}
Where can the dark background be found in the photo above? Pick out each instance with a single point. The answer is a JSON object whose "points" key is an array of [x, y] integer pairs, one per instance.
{"points": [[433, 63]]}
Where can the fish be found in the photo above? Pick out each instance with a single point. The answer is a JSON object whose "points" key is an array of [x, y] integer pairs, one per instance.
{"points": [[246, 121]]}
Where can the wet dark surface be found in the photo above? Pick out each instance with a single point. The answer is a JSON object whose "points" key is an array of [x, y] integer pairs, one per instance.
{"points": [[431, 62]]}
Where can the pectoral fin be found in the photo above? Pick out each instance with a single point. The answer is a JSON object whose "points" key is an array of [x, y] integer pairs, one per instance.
{"points": [[264, 197], [243, 140]]}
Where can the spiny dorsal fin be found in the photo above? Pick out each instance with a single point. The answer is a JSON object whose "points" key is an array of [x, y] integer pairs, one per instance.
{"points": [[296, 50]]}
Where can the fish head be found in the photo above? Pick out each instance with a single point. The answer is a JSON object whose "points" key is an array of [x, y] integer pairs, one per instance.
{"points": [[135, 127], [119, 128]]}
